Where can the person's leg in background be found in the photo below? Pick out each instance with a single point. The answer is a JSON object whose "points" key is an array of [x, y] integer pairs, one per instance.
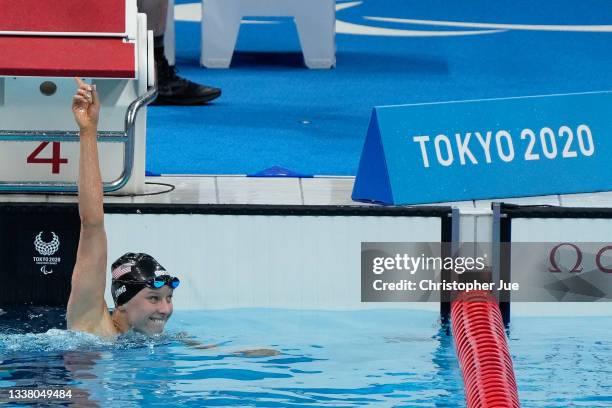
{"points": [[173, 90]]}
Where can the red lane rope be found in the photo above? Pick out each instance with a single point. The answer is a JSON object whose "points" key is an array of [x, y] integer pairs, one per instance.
{"points": [[483, 353]]}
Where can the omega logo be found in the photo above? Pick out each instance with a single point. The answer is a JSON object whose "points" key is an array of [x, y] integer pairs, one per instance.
{"points": [[577, 267]]}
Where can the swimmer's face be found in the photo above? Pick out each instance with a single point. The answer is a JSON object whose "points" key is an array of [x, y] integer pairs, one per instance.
{"points": [[150, 309]]}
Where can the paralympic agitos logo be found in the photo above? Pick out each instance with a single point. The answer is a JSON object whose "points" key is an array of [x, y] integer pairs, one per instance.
{"points": [[577, 265], [47, 249]]}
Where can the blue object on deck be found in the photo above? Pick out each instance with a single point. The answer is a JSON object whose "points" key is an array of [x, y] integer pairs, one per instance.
{"points": [[484, 149], [277, 171], [372, 182]]}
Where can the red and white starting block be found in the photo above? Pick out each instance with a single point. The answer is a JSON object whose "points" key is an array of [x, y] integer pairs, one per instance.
{"points": [[44, 44]]}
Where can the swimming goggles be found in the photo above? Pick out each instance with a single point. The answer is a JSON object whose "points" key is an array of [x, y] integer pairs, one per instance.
{"points": [[157, 282]]}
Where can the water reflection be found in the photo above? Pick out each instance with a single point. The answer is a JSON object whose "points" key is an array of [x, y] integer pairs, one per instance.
{"points": [[447, 369]]}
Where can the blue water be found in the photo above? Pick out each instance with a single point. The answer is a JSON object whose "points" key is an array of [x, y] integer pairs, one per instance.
{"points": [[275, 112], [563, 362], [377, 358]]}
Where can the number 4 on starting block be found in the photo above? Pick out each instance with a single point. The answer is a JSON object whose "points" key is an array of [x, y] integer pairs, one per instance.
{"points": [[56, 160], [53, 161]]}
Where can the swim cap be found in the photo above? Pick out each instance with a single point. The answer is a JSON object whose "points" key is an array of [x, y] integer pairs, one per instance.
{"points": [[133, 267]]}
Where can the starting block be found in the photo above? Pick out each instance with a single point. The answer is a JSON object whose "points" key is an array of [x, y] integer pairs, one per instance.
{"points": [[44, 45], [315, 21]]}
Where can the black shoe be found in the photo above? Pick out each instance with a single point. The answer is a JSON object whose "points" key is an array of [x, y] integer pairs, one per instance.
{"points": [[174, 90]]}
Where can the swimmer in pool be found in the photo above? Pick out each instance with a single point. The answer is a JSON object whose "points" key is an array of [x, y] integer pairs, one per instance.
{"points": [[141, 287]]}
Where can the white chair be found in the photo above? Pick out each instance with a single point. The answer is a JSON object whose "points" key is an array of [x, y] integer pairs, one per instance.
{"points": [[107, 44], [315, 21]]}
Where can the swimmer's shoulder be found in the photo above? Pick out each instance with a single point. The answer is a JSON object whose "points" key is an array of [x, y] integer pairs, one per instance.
{"points": [[103, 327], [107, 326]]}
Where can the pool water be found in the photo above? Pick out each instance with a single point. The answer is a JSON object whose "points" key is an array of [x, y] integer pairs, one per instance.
{"points": [[563, 361], [326, 359]]}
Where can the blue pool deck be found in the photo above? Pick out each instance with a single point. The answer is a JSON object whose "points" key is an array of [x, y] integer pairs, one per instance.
{"points": [[274, 112]]}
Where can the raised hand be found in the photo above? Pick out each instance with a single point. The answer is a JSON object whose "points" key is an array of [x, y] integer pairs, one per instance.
{"points": [[86, 105]]}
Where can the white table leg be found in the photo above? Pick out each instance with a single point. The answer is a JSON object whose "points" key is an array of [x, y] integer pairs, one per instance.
{"points": [[220, 27]]}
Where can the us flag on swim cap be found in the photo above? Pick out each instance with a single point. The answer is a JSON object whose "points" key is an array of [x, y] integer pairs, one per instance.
{"points": [[121, 270]]}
